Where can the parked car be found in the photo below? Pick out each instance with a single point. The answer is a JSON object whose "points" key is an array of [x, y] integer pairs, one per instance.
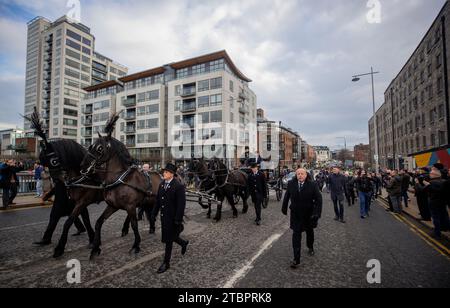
{"points": [[287, 178]]}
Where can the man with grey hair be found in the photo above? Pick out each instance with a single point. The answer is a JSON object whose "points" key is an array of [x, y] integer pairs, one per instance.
{"points": [[305, 202]]}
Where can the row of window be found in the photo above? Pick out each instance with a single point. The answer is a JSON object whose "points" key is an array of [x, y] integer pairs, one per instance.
{"points": [[202, 102]]}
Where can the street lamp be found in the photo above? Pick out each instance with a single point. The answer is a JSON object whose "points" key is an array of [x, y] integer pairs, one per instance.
{"points": [[356, 78], [345, 142]]}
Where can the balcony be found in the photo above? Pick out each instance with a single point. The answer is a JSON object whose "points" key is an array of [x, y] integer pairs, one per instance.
{"points": [[45, 105], [45, 95], [45, 115], [48, 39], [86, 133], [130, 130], [87, 121], [130, 116], [129, 102], [47, 57], [242, 110], [130, 143], [47, 67], [242, 95], [189, 107], [186, 92], [87, 110]]}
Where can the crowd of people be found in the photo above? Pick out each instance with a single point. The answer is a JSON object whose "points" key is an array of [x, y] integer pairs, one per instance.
{"points": [[431, 187]]}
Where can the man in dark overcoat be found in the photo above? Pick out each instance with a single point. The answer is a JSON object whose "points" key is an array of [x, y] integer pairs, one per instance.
{"points": [[171, 201], [258, 190], [306, 209]]}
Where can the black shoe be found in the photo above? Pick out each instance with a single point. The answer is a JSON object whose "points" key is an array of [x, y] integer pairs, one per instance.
{"points": [[311, 252], [42, 243], [363, 217], [258, 222], [184, 247], [342, 221], [295, 264], [163, 268], [4, 208]]}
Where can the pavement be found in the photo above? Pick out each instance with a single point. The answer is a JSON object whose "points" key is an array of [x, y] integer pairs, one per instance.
{"points": [[230, 253], [26, 201], [413, 211]]}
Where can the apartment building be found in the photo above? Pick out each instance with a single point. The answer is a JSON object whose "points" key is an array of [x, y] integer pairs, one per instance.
{"points": [[200, 107], [322, 153], [61, 62], [414, 118]]}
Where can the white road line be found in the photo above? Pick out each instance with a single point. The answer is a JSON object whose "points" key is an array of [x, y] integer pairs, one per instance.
{"points": [[22, 226], [249, 265], [127, 266]]}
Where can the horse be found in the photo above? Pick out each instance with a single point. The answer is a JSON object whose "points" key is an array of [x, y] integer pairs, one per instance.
{"points": [[125, 186], [231, 185]]}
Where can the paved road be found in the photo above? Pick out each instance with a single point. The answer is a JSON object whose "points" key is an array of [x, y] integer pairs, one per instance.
{"points": [[234, 252]]}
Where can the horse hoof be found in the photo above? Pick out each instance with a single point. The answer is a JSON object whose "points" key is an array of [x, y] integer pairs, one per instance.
{"points": [[95, 253], [91, 245], [58, 253], [124, 233]]}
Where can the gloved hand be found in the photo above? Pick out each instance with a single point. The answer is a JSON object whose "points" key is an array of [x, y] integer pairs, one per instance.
{"points": [[314, 221]]}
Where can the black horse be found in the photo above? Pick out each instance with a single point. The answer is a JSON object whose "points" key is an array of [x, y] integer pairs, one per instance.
{"points": [[215, 179], [126, 187]]}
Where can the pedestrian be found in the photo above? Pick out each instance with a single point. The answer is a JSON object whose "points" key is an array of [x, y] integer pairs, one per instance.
{"points": [[305, 202], [171, 201], [38, 179], [406, 180], [437, 200], [47, 184], [421, 195], [258, 190], [394, 189], [364, 187], [349, 189], [337, 188]]}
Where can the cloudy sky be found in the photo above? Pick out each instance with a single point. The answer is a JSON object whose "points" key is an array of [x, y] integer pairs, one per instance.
{"points": [[300, 54]]}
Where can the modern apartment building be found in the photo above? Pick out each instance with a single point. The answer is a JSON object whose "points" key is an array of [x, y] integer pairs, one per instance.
{"points": [[200, 107], [414, 118], [61, 62]]}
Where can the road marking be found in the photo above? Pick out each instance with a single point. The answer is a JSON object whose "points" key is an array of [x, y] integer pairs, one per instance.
{"points": [[428, 239], [27, 208], [249, 265], [22, 226], [126, 267]]}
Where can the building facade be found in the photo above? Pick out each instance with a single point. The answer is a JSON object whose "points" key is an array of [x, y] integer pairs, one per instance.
{"points": [[10, 142], [200, 107], [361, 153], [61, 62], [414, 117], [322, 153]]}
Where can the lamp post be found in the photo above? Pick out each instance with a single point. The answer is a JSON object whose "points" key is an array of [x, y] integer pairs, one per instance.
{"points": [[356, 78]]}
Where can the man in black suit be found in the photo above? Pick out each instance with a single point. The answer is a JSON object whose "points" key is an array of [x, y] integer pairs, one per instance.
{"points": [[171, 200], [306, 209], [258, 190]]}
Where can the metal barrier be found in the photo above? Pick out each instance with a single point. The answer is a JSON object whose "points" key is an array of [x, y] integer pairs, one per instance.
{"points": [[27, 183]]}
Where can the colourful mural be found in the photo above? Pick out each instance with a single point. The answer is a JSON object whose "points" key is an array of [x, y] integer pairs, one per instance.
{"points": [[431, 158]]}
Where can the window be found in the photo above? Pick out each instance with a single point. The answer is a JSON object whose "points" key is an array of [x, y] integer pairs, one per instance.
{"points": [[86, 41], [73, 54], [216, 116], [231, 86], [147, 138], [69, 132], [71, 83], [433, 140], [216, 100], [101, 105], [216, 65], [148, 124], [438, 61], [442, 138], [178, 90], [72, 73], [203, 101], [70, 102], [73, 44], [86, 50], [70, 112], [216, 83], [182, 73], [203, 117], [73, 64], [441, 111], [70, 122], [203, 85], [85, 59], [198, 69], [177, 119], [440, 85], [73, 35], [152, 95], [424, 141]]}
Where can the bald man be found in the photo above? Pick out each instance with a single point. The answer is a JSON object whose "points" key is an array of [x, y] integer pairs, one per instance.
{"points": [[305, 202]]}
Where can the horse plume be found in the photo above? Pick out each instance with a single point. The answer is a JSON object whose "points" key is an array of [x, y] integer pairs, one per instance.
{"points": [[111, 124], [37, 125]]}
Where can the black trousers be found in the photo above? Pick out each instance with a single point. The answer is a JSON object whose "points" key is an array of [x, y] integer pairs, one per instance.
{"points": [[53, 223], [5, 197], [338, 210], [12, 192], [297, 242], [169, 247], [257, 200]]}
